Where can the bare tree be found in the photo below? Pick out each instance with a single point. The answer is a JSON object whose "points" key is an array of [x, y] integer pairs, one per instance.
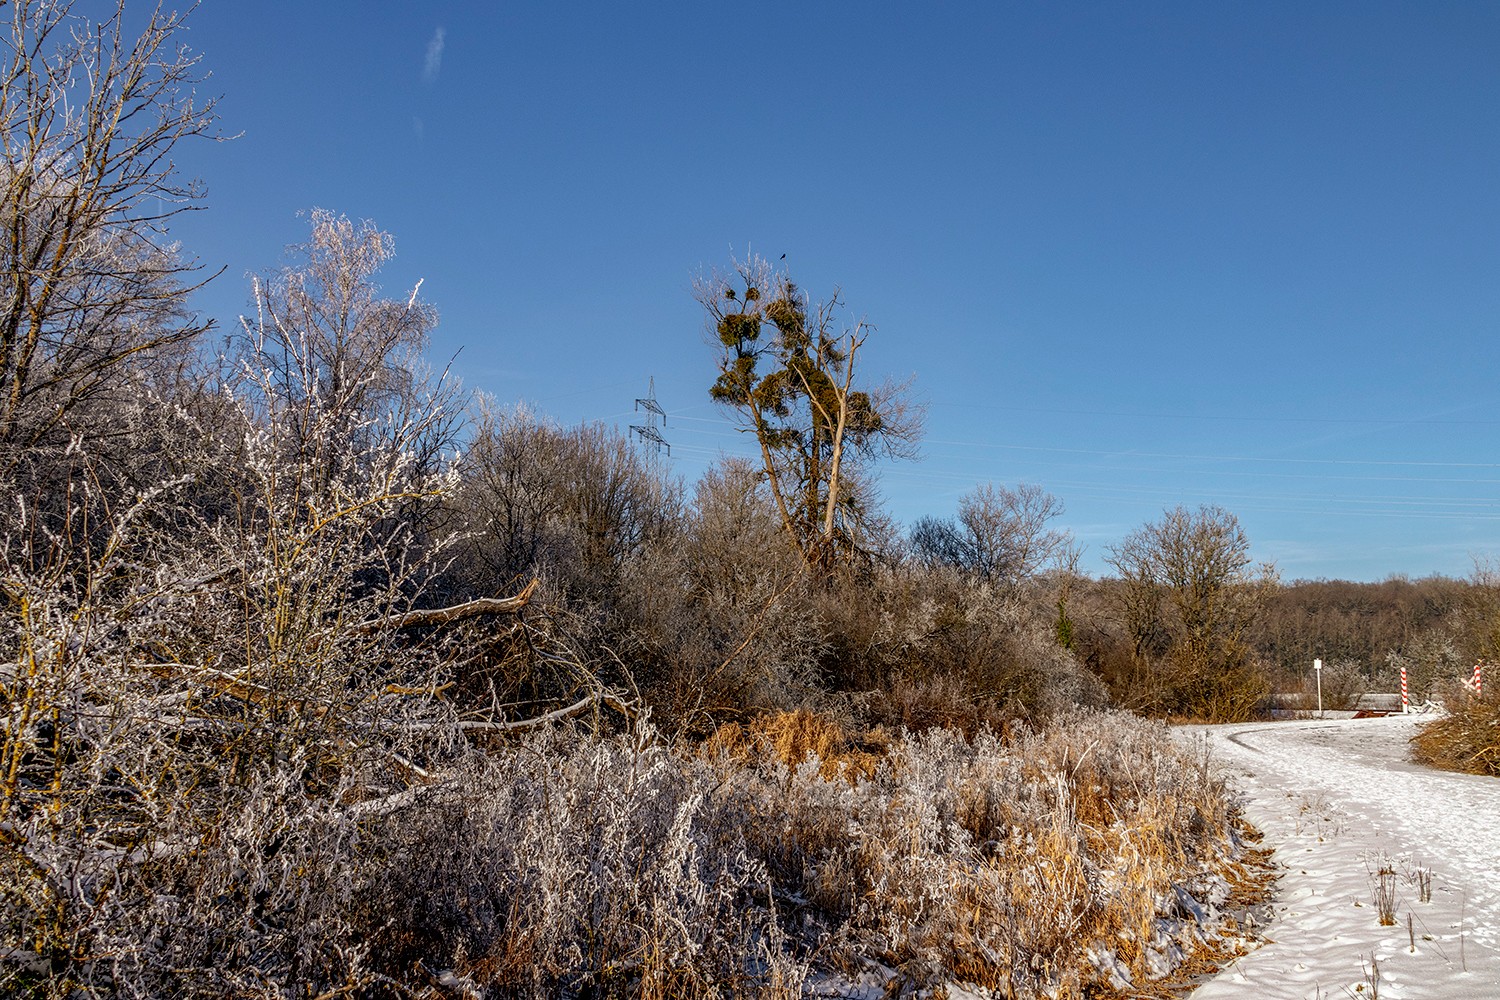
{"points": [[1189, 594], [1001, 534], [1432, 661], [94, 290], [509, 497], [337, 350], [795, 390], [1480, 614], [574, 504]]}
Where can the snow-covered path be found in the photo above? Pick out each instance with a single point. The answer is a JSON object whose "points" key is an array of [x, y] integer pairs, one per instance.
{"points": [[1339, 800]]}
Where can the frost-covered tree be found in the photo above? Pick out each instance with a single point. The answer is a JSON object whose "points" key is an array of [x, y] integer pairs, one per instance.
{"points": [[334, 350], [208, 686], [1432, 661], [95, 293]]}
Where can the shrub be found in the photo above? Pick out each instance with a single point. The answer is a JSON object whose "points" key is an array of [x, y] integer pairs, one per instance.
{"points": [[1467, 738], [570, 864]]}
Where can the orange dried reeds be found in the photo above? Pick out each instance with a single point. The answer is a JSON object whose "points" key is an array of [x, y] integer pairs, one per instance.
{"points": [[794, 736], [1466, 739]]}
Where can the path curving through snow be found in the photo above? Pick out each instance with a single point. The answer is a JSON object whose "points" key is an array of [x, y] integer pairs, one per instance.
{"points": [[1338, 801]]}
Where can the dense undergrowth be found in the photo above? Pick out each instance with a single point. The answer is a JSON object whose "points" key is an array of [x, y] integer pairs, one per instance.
{"points": [[568, 864], [1465, 738]]}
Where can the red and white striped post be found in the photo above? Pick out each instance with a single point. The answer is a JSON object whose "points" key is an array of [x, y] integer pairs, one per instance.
{"points": [[1478, 678], [1405, 701]]}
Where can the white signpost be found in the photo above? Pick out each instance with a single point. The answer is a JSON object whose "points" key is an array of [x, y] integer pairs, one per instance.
{"points": [[1318, 671]]}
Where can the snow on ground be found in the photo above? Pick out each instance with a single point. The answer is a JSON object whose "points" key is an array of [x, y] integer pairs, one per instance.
{"points": [[1339, 801]]}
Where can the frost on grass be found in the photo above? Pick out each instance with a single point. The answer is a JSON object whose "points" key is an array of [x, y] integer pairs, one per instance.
{"points": [[1093, 852], [569, 864]]}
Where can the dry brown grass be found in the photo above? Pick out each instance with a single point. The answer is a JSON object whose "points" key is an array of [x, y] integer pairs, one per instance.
{"points": [[792, 847], [997, 862], [1466, 739], [793, 737], [1252, 881]]}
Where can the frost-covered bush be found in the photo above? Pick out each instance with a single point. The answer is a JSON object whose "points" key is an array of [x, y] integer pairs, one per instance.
{"points": [[204, 681], [1092, 851], [570, 864], [1001, 865], [187, 699], [958, 652]]}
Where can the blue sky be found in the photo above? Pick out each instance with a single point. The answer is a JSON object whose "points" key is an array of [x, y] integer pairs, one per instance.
{"points": [[1141, 254]]}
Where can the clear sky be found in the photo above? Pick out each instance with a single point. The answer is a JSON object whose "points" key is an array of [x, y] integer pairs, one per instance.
{"points": [[1141, 254]]}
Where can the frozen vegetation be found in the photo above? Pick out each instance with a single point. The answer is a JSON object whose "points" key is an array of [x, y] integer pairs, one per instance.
{"points": [[321, 678], [572, 865]]}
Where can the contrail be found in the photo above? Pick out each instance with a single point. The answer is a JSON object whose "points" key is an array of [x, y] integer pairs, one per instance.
{"points": [[434, 60]]}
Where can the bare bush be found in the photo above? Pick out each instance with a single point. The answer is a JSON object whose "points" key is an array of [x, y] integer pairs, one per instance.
{"points": [[1465, 738], [1000, 535], [572, 505], [992, 647], [269, 792], [582, 865], [722, 625]]}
